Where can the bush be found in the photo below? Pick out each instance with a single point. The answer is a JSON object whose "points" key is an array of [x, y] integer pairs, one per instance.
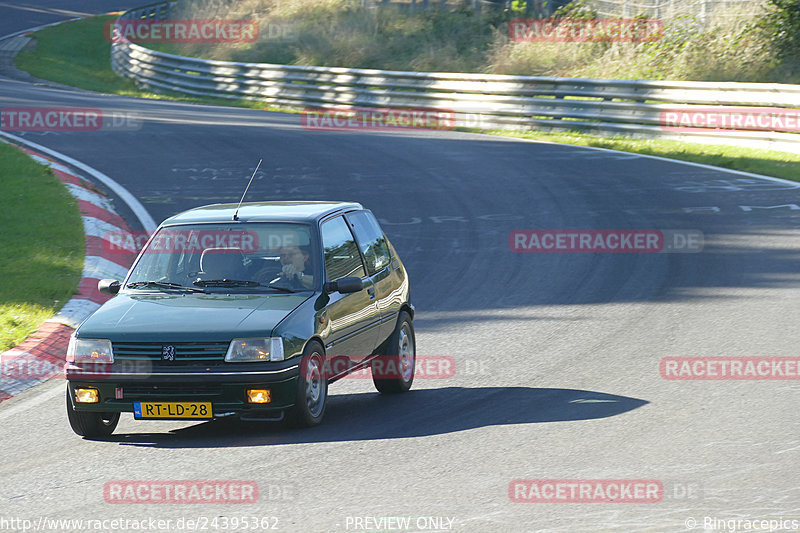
{"points": [[729, 46], [784, 23], [783, 27]]}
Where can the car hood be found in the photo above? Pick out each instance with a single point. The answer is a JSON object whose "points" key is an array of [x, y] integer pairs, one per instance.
{"points": [[189, 317]]}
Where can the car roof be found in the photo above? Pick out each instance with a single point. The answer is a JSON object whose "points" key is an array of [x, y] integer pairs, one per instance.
{"points": [[292, 211]]}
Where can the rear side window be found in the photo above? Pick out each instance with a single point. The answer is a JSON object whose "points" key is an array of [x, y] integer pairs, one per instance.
{"points": [[341, 253], [371, 240]]}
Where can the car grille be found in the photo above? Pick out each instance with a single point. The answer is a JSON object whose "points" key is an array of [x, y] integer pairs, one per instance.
{"points": [[141, 390], [186, 353]]}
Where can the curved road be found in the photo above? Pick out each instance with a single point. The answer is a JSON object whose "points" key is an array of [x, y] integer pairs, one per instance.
{"points": [[557, 355]]}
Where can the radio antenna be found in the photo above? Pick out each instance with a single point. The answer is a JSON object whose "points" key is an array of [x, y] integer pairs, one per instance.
{"points": [[236, 213]]}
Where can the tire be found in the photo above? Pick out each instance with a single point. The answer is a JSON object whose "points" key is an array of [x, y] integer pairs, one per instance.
{"points": [[91, 425], [396, 366], [312, 389]]}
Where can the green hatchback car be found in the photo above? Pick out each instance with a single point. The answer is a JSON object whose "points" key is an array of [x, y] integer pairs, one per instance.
{"points": [[247, 311]]}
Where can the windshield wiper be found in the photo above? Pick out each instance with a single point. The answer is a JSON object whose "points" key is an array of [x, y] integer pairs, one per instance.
{"points": [[239, 283], [279, 288], [161, 285], [226, 283]]}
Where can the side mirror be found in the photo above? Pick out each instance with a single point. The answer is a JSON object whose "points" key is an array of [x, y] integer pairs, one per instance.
{"points": [[108, 286], [345, 285]]}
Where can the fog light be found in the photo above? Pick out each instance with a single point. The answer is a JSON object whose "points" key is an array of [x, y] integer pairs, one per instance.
{"points": [[87, 396], [258, 396]]}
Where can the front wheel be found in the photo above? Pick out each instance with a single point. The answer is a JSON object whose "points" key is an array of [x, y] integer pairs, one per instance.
{"points": [[393, 372], [312, 389], [91, 425]]}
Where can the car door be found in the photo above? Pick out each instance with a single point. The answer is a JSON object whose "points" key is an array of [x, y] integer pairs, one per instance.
{"points": [[353, 319], [386, 276]]}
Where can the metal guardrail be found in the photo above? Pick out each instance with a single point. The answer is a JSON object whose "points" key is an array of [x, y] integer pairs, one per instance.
{"points": [[693, 9], [627, 107]]}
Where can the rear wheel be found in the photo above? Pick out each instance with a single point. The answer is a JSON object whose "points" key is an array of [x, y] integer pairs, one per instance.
{"points": [[312, 389], [91, 425], [393, 372]]}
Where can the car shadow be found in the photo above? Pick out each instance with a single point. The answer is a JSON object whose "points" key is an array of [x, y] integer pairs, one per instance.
{"points": [[421, 412]]}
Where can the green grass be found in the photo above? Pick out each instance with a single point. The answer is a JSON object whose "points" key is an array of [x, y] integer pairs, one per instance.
{"points": [[77, 54], [768, 162], [52, 60], [42, 242]]}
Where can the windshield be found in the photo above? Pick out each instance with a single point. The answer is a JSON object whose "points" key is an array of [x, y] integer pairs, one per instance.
{"points": [[227, 257]]}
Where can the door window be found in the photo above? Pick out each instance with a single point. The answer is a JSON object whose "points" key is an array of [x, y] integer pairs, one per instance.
{"points": [[371, 240], [341, 253]]}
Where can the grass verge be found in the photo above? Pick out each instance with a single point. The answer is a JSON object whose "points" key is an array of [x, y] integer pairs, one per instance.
{"points": [[53, 60], [43, 245], [77, 54], [758, 161]]}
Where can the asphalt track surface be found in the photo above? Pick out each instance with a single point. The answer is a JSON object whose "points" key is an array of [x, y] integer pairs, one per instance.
{"points": [[557, 355]]}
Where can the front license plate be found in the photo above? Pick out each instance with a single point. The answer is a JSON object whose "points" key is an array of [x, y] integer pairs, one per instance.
{"points": [[170, 410]]}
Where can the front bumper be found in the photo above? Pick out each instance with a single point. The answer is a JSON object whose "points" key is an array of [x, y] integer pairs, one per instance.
{"points": [[224, 385]]}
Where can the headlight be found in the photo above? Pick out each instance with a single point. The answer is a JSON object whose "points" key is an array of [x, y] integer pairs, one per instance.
{"points": [[248, 350], [89, 351]]}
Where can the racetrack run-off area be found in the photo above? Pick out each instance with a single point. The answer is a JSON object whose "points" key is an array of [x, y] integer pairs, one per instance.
{"points": [[41, 356]]}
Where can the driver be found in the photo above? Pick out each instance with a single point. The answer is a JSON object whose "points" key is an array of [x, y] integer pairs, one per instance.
{"points": [[295, 263]]}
